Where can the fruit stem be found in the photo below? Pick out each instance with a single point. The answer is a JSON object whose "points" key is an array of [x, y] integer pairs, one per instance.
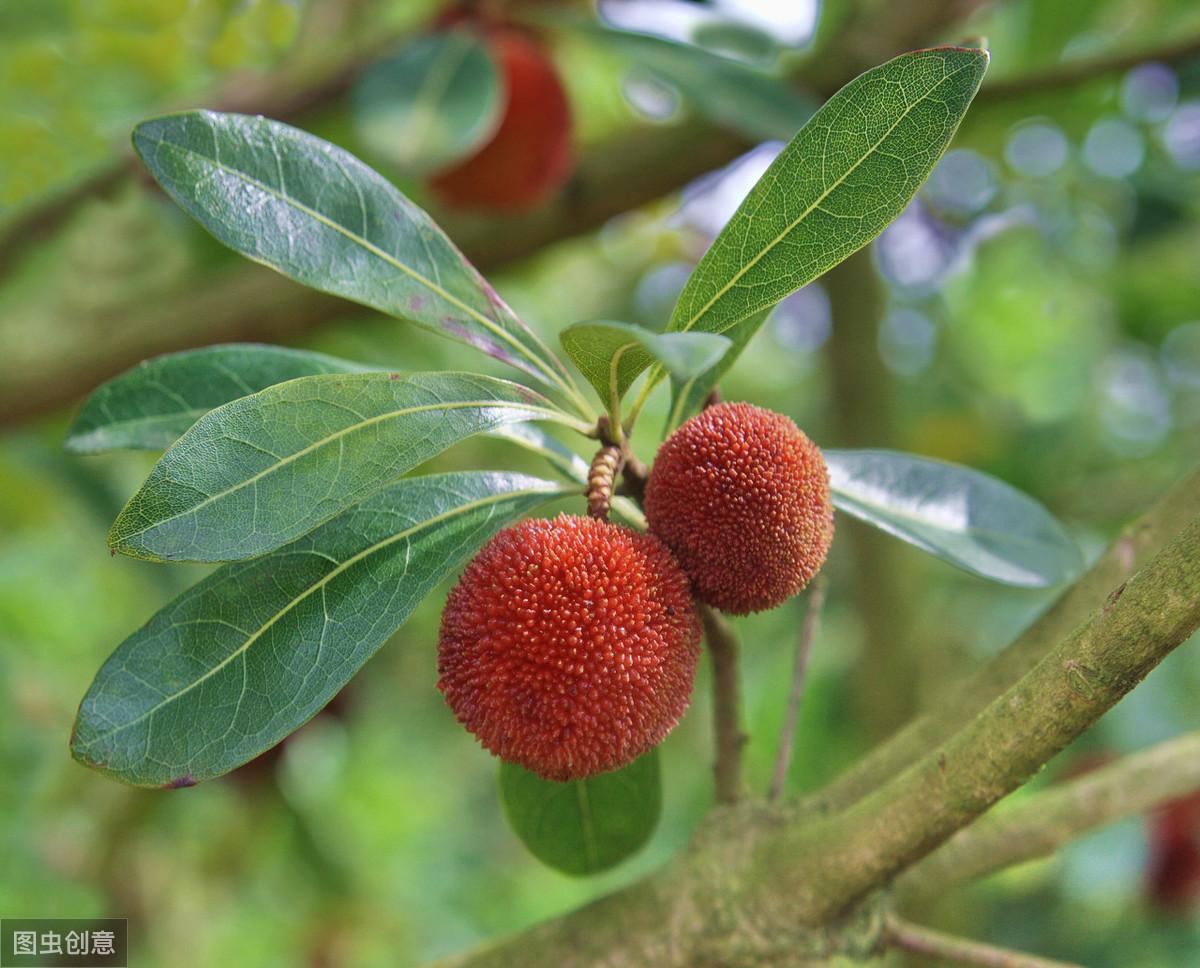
{"points": [[602, 475], [723, 650]]}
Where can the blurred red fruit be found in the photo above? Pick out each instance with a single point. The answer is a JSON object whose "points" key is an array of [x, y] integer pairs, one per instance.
{"points": [[530, 155], [1173, 872]]}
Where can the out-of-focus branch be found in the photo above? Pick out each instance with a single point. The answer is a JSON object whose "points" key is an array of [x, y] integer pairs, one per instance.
{"points": [[1044, 822], [804, 645], [1137, 544], [1076, 72], [960, 951]]}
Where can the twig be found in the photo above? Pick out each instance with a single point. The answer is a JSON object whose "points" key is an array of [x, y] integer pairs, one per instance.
{"points": [[804, 644], [946, 947], [1087, 69], [1040, 824], [1001, 747], [722, 647]]}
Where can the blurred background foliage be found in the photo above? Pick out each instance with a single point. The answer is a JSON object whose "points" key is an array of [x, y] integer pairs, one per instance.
{"points": [[1035, 314]]}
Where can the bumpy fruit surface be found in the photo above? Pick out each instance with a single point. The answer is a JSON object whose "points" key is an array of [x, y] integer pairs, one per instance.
{"points": [[530, 155], [741, 496], [569, 646]]}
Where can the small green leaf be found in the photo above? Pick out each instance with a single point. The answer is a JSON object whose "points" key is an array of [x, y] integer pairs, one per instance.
{"points": [[729, 93], [150, 405], [584, 826], [850, 171], [962, 516], [261, 471], [431, 104], [317, 214], [610, 355], [687, 396], [252, 652]]}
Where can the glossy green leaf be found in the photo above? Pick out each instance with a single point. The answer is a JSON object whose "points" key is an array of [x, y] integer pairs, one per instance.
{"points": [[261, 471], [252, 652], [610, 355], [728, 92], [584, 826], [431, 104], [687, 396], [962, 516], [847, 174], [318, 215], [150, 405]]}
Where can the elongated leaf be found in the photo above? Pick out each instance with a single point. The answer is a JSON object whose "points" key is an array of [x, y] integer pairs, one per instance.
{"points": [[688, 395], [150, 405], [432, 103], [253, 651], [729, 93], [318, 215], [610, 355], [584, 826], [263, 470], [965, 517], [850, 171]]}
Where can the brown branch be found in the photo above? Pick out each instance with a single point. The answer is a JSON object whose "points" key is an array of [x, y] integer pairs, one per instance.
{"points": [[1083, 70], [727, 700], [1137, 544], [1039, 825], [1007, 742], [804, 644], [945, 947]]}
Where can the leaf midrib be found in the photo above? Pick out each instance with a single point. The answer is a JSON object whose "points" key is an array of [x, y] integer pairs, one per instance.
{"points": [[337, 435], [321, 583], [816, 204]]}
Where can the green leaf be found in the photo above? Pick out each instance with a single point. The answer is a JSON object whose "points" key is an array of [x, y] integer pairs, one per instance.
{"points": [[727, 92], [610, 355], [150, 405], [252, 652], [687, 396], [584, 826], [847, 174], [318, 215], [962, 516], [431, 104], [261, 471]]}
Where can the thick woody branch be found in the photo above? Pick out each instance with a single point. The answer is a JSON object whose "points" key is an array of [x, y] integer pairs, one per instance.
{"points": [[1041, 824], [1137, 544], [1076, 682]]}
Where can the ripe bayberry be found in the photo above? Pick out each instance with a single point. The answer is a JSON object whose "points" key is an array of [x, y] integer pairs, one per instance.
{"points": [[741, 496], [569, 646], [530, 155]]}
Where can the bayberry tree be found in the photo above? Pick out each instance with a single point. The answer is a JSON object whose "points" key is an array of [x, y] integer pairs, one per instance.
{"points": [[569, 645]]}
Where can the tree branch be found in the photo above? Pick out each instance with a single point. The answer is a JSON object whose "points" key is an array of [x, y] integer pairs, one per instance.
{"points": [[1080, 71], [1040, 824], [999, 749], [1136, 545], [804, 644], [935, 944], [727, 702]]}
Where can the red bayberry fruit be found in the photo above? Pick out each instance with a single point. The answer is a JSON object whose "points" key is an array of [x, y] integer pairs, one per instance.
{"points": [[1173, 874], [529, 157], [569, 646], [741, 496]]}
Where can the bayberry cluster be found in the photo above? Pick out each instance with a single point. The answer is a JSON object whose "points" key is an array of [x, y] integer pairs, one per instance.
{"points": [[569, 645]]}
